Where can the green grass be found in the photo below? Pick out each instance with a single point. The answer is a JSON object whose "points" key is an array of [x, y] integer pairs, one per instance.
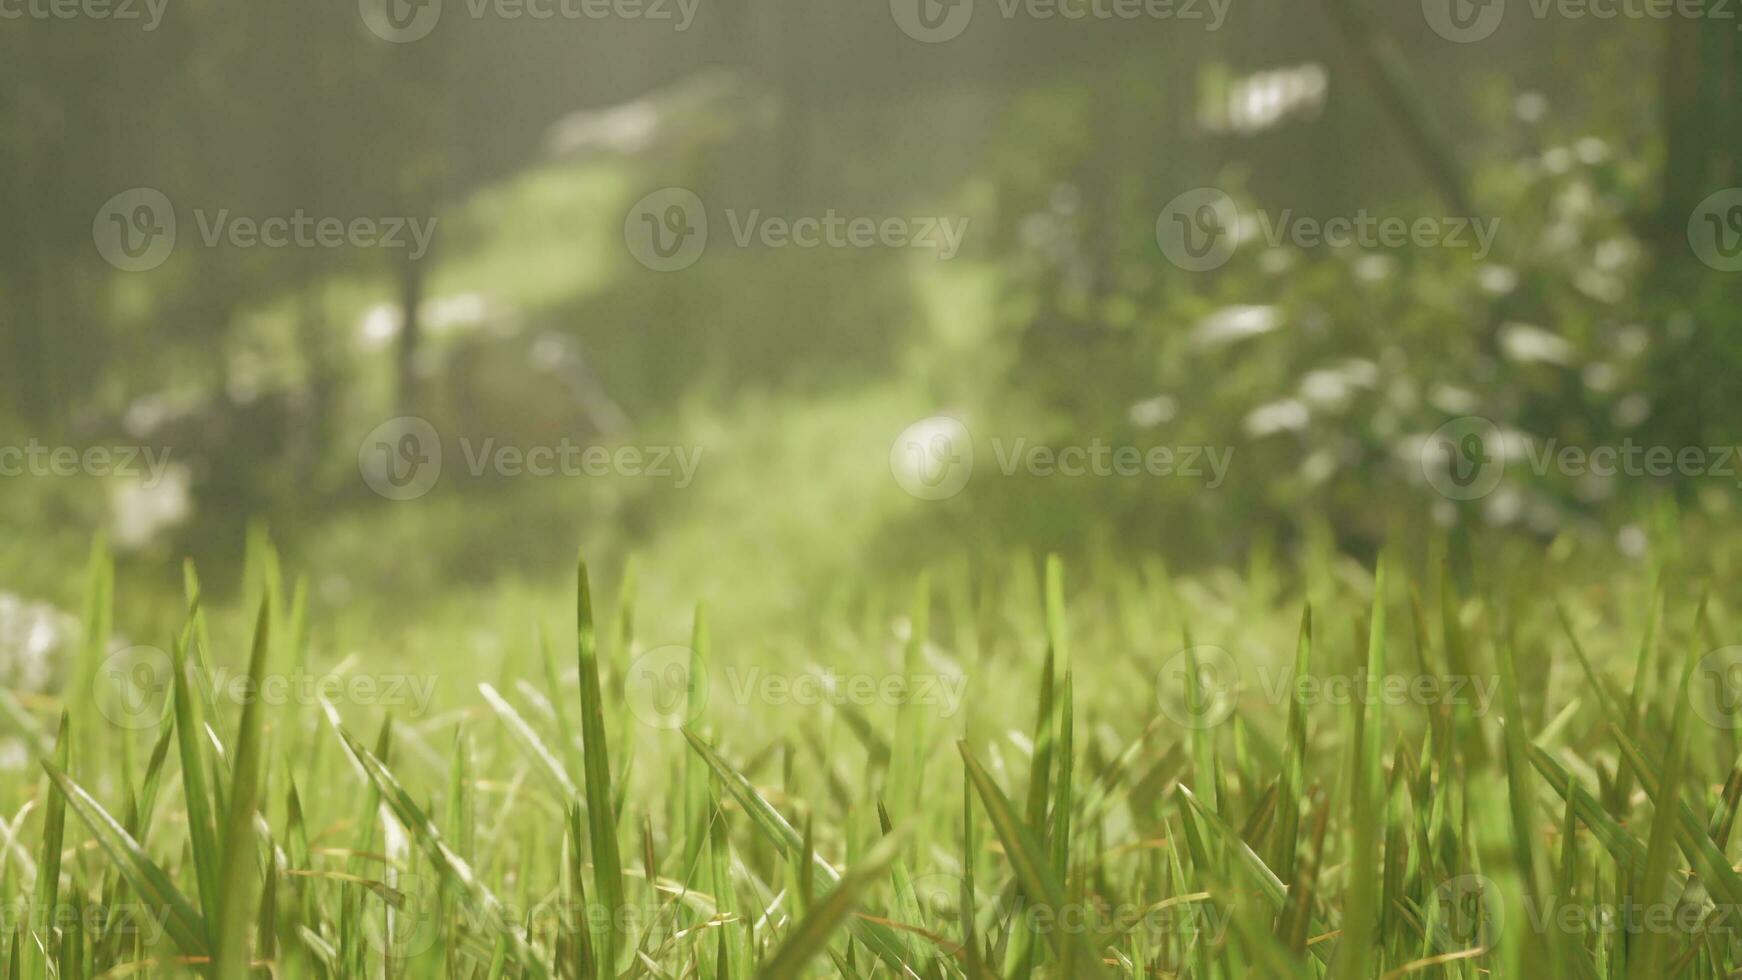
{"points": [[1102, 801]]}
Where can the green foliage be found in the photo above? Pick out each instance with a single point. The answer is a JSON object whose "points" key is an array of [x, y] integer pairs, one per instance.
{"points": [[1415, 828]]}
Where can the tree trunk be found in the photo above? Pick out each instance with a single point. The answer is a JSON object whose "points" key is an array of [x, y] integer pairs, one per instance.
{"points": [[410, 298]]}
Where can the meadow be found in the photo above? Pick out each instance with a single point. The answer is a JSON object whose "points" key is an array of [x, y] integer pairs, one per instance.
{"points": [[1312, 767], [848, 492]]}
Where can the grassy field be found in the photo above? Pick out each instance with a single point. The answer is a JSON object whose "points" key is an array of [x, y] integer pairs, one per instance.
{"points": [[1307, 768]]}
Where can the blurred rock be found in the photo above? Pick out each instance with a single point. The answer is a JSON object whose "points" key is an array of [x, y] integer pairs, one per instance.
{"points": [[702, 109]]}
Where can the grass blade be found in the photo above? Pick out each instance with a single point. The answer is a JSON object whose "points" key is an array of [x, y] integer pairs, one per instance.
{"points": [[153, 885], [542, 758], [48, 866], [237, 887], [1033, 871], [881, 940], [1367, 800], [601, 807], [1268, 883], [196, 798], [811, 936], [447, 862]]}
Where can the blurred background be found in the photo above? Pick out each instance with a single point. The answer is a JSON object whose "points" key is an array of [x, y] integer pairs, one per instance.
{"points": [[243, 240]]}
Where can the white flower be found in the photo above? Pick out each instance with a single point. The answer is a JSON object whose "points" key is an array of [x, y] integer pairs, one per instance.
{"points": [[1287, 415], [1153, 411], [1232, 323], [1526, 344]]}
